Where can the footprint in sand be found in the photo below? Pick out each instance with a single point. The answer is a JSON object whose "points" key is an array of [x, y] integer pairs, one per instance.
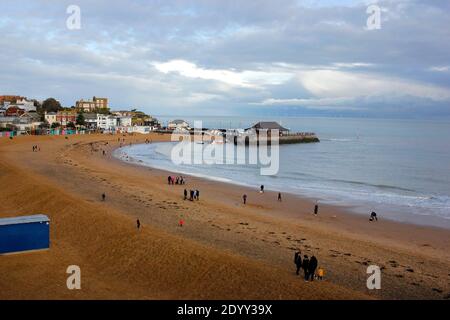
{"points": [[437, 290], [393, 263]]}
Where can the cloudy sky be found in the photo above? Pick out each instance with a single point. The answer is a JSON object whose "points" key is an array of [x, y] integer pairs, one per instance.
{"points": [[205, 57]]}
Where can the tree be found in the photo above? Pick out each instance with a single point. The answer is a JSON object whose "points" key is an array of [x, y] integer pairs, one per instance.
{"points": [[55, 125], [80, 119], [70, 125], [102, 110], [51, 105]]}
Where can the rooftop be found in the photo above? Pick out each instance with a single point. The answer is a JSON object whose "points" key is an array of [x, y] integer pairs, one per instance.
{"points": [[177, 121], [269, 125], [24, 219]]}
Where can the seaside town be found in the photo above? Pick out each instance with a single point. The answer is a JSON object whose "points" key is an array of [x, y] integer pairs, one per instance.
{"points": [[21, 115]]}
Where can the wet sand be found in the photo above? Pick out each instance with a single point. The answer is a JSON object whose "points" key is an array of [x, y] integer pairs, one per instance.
{"points": [[225, 249]]}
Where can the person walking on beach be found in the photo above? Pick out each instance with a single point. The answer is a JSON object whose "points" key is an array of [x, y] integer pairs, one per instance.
{"points": [[103, 196], [316, 208], [305, 266], [244, 198], [185, 194], [279, 196], [373, 216], [261, 189], [138, 224], [298, 261], [312, 267], [191, 193], [197, 194], [169, 178]]}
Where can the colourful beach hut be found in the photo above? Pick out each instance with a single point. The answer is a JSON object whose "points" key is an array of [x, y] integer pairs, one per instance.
{"points": [[24, 233]]}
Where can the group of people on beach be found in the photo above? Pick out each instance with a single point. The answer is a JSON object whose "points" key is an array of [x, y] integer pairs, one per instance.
{"points": [[309, 266], [193, 195], [176, 180]]}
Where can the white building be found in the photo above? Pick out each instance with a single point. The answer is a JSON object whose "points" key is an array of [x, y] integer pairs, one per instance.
{"points": [[27, 121], [106, 122], [50, 117], [26, 105], [141, 129], [124, 121], [178, 124], [90, 120]]}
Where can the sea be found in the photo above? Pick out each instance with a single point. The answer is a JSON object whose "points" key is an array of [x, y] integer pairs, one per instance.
{"points": [[397, 168]]}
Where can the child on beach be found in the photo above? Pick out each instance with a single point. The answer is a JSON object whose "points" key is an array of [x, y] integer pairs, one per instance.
{"points": [[320, 273], [244, 198]]}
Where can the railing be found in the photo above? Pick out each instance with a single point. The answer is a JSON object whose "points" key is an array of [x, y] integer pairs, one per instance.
{"points": [[302, 134]]}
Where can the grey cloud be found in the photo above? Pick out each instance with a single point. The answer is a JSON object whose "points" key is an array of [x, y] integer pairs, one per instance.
{"points": [[112, 54]]}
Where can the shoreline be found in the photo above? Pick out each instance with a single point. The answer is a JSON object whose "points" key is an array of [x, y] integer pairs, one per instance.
{"points": [[257, 239], [358, 208]]}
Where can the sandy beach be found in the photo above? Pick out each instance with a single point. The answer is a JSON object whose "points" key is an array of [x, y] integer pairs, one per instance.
{"points": [[225, 250]]}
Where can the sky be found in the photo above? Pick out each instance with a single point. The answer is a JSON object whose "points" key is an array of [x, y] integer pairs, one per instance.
{"points": [[206, 57]]}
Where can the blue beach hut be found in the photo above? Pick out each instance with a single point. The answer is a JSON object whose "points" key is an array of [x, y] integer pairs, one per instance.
{"points": [[24, 233]]}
